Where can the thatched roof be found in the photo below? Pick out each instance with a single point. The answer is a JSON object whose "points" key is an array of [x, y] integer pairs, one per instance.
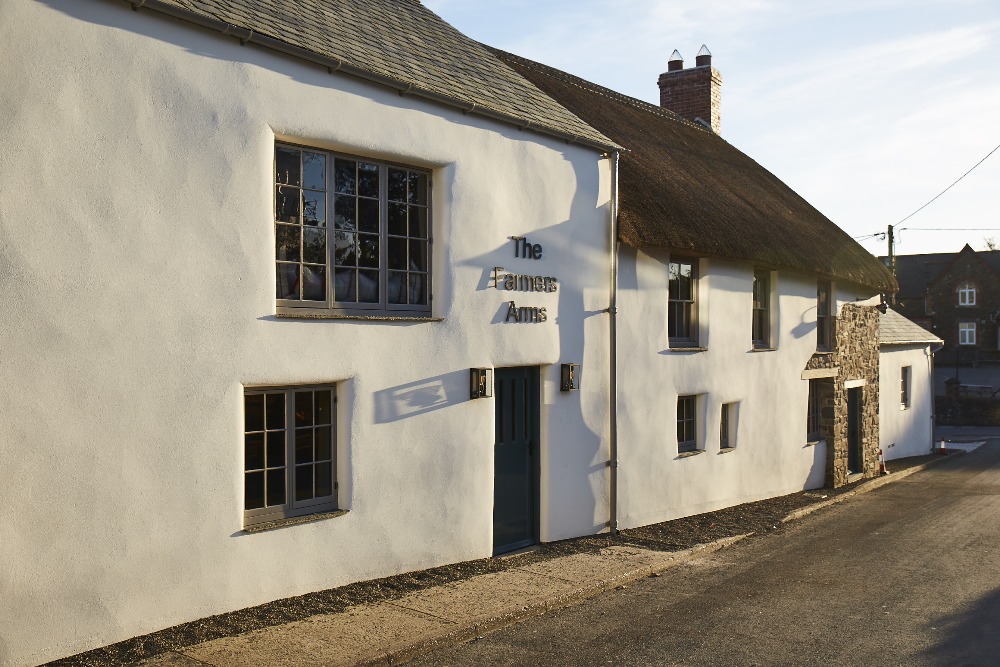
{"points": [[685, 188]]}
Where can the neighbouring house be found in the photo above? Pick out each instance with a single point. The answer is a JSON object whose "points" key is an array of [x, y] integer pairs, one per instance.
{"points": [[304, 294], [906, 362], [956, 295], [746, 318]]}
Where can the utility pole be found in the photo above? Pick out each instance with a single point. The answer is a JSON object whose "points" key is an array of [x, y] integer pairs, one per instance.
{"points": [[892, 260]]}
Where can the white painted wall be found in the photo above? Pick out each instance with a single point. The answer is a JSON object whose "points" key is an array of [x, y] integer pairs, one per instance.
{"points": [[905, 431], [771, 456], [137, 263]]}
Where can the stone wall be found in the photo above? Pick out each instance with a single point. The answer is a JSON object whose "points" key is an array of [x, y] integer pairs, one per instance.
{"points": [[855, 355]]}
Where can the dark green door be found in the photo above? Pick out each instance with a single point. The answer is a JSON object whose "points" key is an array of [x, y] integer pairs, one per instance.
{"points": [[515, 482], [854, 430]]}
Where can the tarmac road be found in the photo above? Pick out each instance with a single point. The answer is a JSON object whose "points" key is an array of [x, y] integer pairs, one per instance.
{"points": [[908, 574]]}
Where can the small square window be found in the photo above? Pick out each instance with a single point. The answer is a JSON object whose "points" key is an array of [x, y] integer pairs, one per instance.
{"points": [[687, 437], [289, 452]]}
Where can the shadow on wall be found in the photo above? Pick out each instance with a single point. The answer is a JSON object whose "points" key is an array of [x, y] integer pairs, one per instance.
{"points": [[417, 398], [970, 637]]}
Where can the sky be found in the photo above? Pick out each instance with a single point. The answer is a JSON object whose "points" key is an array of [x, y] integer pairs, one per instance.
{"points": [[866, 108]]}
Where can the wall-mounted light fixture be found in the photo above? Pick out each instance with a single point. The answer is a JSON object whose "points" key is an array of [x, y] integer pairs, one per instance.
{"points": [[480, 383], [570, 377]]}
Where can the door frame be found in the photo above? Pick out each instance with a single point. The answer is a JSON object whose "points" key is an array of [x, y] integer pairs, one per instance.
{"points": [[533, 407]]}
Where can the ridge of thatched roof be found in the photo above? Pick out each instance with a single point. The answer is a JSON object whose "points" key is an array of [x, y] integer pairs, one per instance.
{"points": [[685, 188]]}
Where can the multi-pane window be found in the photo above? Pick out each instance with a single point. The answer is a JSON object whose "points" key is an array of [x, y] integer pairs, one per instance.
{"points": [[350, 233], [966, 333], [761, 309], [813, 425], [967, 294], [726, 437], [824, 319], [681, 313], [904, 386], [686, 433], [289, 456]]}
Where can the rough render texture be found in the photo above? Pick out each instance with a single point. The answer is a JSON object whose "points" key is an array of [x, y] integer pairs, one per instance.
{"points": [[695, 92], [856, 356]]}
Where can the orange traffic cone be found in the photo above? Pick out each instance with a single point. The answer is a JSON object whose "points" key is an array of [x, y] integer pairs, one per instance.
{"points": [[941, 449], [882, 470]]}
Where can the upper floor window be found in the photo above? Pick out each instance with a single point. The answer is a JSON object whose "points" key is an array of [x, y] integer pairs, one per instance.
{"points": [[966, 333], [761, 333], [824, 316], [681, 294], [967, 294], [350, 233]]}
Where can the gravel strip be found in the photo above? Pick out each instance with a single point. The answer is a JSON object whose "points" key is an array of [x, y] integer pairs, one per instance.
{"points": [[761, 517]]}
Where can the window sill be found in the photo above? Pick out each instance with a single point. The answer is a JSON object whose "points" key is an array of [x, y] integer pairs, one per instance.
{"points": [[763, 349], [680, 349], [903, 408], [695, 452], [726, 450], [313, 315], [813, 443], [292, 521]]}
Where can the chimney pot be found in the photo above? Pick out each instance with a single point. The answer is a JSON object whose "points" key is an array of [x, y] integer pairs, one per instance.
{"points": [[676, 61], [704, 57]]}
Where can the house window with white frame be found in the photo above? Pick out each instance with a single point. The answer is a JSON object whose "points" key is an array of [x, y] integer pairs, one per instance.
{"points": [[289, 452], [682, 304], [824, 316], [761, 334], [687, 435], [967, 294], [351, 234], [966, 333], [905, 375]]}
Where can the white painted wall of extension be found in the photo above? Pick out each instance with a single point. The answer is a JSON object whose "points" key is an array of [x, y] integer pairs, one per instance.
{"points": [[771, 456], [137, 250], [909, 431]]}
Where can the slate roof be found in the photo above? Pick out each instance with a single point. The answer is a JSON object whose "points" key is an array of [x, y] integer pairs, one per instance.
{"points": [[915, 273], [894, 329], [685, 188], [399, 43]]}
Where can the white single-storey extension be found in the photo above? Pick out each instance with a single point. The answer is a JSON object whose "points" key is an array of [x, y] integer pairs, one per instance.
{"points": [[906, 372]]}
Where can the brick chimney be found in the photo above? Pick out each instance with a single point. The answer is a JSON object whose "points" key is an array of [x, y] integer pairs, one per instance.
{"points": [[694, 93]]}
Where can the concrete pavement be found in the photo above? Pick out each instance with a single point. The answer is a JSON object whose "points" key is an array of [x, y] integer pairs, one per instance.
{"points": [[394, 631]]}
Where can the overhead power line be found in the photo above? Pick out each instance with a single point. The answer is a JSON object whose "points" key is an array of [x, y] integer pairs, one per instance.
{"points": [[949, 188]]}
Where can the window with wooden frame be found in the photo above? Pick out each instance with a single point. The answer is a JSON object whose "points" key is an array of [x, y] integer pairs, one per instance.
{"points": [[687, 435], [905, 375], [727, 426], [761, 333], [966, 333], [352, 235], [682, 314], [289, 452], [813, 423], [967, 294], [824, 316]]}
